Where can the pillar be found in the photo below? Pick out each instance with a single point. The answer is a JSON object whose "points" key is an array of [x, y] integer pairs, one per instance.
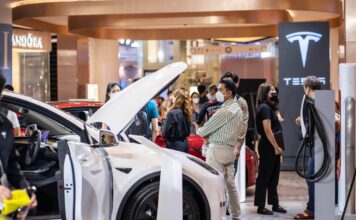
{"points": [[5, 40], [103, 64], [334, 61], [350, 28], [83, 66], [67, 67]]}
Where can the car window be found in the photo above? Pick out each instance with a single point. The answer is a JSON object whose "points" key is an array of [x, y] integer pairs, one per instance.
{"points": [[29, 117], [84, 113]]}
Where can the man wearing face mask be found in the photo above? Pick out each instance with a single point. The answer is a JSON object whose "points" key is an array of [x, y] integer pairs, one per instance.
{"points": [[311, 84], [210, 107], [221, 131], [243, 105]]}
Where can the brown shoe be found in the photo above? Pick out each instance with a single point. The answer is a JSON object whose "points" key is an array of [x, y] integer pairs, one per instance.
{"points": [[305, 215]]}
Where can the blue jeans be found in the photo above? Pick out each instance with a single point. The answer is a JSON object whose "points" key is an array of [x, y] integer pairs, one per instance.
{"points": [[311, 192]]}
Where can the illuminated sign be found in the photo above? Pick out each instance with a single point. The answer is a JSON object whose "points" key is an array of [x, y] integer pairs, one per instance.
{"points": [[298, 81], [234, 49], [303, 41], [28, 41], [31, 40], [304, 49]]}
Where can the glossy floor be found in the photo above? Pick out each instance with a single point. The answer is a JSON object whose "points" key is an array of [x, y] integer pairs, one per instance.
{"points": [[293, 196]]}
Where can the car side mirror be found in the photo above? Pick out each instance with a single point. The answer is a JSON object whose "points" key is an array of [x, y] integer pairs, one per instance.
{"points": [[107, 138], [83, 116]]}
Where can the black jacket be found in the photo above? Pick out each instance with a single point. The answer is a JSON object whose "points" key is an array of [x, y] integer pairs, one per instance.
{"points": [[8, 155], [177, 126]]}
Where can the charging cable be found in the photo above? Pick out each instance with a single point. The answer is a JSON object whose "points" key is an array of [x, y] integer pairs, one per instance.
{"points": [[308, 144]]}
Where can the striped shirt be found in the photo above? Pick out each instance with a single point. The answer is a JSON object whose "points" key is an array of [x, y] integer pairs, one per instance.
{"points": [[243, 105], [225, 125]]}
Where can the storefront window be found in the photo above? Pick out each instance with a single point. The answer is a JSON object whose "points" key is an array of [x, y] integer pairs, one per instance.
{"points": [[34, 75]]}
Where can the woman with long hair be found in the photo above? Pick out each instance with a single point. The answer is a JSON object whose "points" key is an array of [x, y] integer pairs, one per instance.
{"points": [[270, 148], [177, 126]]}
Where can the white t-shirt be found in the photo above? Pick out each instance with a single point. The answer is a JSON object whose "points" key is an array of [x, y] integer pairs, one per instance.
{"points": [[13, 119]]}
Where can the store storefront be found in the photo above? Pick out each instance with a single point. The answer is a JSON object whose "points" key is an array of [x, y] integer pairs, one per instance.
{"points": [[30, 63]]}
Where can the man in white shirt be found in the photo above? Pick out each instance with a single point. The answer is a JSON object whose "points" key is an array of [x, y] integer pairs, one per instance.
{"points": [[12, 115]]}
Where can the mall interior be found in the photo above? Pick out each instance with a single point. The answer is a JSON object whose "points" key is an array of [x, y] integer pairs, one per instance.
{"points": [[64, 54]]}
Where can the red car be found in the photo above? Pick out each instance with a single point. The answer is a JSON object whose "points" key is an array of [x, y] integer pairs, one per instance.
{"points": [[196, 143], [84, 109]]}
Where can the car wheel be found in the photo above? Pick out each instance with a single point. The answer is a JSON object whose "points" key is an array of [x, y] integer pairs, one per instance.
{"points": [[143, 205]]}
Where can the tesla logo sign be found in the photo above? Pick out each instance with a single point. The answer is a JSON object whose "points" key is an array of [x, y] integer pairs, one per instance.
{"points": [[303, 41], [298, 81]]}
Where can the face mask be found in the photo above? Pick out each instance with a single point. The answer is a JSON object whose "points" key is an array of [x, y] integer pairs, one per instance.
{"points": [[195, 100], [219, 97], [274, 97], [113, 95]]}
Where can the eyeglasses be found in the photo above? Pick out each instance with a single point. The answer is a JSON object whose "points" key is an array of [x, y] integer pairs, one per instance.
{"points": [[115, 90]]}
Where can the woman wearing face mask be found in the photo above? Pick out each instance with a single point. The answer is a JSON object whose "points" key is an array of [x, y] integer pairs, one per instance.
{"points": [[177, 126], [269, 148], [195, 111], [209, 108], [112, 90]]}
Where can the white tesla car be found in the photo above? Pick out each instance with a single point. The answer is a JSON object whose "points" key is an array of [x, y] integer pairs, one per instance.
{"points": [[83, 173]]}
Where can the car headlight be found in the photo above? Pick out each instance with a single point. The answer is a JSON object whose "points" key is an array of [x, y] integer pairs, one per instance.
{"points": [[204, 165]]}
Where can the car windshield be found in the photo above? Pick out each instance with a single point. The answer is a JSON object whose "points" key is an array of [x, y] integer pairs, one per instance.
{"points": [[29, 117]]}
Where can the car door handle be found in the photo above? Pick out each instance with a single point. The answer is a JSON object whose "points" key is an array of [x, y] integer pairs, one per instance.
{"points": [[83, 159]]}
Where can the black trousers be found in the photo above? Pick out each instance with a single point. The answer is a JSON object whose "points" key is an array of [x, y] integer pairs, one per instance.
{"points": [[268, 175]]}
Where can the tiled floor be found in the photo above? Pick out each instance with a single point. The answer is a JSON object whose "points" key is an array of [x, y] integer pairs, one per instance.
{"points": [[292, 193]]}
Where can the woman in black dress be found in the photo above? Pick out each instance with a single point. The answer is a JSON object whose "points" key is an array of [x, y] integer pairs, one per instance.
{"points": [[177, 126], [270, 149]]}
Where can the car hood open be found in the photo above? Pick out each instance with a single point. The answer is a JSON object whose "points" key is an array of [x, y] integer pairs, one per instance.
{"points": [[118, 112]]}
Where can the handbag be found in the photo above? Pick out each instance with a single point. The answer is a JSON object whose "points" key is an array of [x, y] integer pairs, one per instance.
{"points": [[279, 139]]}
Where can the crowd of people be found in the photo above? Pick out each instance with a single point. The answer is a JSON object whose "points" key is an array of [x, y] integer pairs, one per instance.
{"points": [[220, 116]]}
